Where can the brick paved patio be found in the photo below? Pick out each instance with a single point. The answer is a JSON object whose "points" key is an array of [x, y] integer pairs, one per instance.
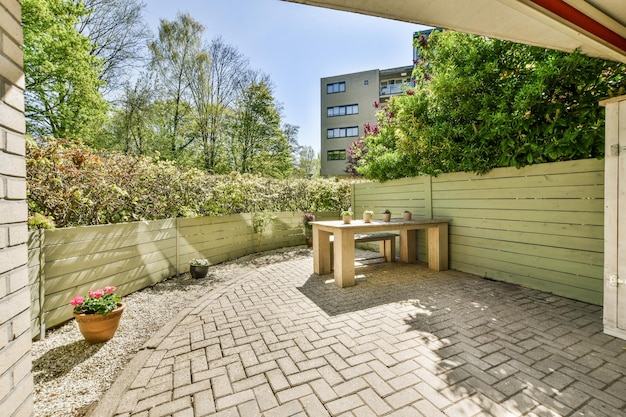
{"points": [[405, 341]]}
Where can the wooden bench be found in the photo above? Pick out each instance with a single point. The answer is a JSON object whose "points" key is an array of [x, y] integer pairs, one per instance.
{"points": [[387, 243]]}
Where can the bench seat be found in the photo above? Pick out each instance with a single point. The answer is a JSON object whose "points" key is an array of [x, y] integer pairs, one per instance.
{"points": [[387, 243]]}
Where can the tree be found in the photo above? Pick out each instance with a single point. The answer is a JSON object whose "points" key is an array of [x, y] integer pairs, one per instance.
{"points": [[131, 126], [228, 73], [62, 95], [258, 145], [178, 46], [308, 163], [118, 36], [496, 104]]}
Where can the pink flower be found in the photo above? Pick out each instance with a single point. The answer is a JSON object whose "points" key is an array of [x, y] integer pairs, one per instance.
{"points": [[96, 294], [109, 289], [77, 300]]}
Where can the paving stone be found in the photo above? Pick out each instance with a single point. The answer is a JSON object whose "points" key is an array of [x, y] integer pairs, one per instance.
{"points": [[234, 400], [303, 377], [290, 409], [331, 376], [464, 407], [350, 387], [171, 407], [190, 389], [313, 407], [203, 403], [403, 398], [249, 408], [323, 390], [374, 401], [221, 386], [344, 404], [293, 393]]}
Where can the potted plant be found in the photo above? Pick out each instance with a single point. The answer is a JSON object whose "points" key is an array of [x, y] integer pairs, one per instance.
{"points": [[407, 215], [346, 215], [367, 216], [307, 218], [198, 268], [386, 215], [98, 314]]}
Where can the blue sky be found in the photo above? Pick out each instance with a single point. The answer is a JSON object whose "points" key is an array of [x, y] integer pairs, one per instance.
{"points": [[297, 45]]}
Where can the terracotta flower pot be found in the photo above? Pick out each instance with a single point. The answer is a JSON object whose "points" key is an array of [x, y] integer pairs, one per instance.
{"points": [[406, 215], [98, 328], [386, 217], [347, 219], [367, 218]]}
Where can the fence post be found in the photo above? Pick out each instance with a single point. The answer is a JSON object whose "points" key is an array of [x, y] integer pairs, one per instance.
{"points": [[176, 226], [42, 284], [428, 197], [352, 198]]}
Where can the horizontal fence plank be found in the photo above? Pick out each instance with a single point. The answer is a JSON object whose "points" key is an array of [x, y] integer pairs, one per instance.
{"points": [[101, 244], [539, 237], [564, 229]]}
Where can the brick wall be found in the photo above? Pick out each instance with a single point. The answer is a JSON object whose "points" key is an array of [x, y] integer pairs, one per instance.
{"points": [[16, 380]]}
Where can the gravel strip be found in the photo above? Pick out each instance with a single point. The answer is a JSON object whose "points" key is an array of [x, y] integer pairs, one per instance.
{"points": [[71, 375]]}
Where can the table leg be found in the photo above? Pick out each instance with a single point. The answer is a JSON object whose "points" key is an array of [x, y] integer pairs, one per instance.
{"points": [[321, 251], [344, 258], [388, 249], [408, 246], [438, 247]]}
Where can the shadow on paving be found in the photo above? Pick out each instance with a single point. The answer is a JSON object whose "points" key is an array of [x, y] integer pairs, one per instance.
{"points": [[487, 346]]}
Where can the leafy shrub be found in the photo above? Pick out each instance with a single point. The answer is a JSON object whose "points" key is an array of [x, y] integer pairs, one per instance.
{"points": [[496, 104], [74, 185]]}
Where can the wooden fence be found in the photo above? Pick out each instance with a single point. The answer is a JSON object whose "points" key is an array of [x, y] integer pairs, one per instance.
{"points": [[539, 227], [132, 256]]}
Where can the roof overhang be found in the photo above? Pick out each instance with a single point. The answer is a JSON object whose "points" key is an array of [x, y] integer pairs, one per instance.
{"points": [[597, 27]]}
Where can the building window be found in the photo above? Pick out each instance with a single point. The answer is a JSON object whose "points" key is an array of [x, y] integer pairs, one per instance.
{"points": [[393, 87], [336, 87], [336, 155], [342, 132], [343, 110]]}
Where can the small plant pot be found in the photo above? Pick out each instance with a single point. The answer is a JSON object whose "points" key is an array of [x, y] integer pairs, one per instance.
{"points": [[198, 271], [309, 241], [386, 217], [407, 216], [98, 328], [347, 219], [367, 218]]}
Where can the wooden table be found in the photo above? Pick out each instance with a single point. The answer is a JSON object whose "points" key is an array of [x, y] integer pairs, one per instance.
{"points": [[343, 250]]}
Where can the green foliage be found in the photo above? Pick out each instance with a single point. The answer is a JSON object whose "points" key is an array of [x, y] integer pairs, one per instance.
{"points": [[495, 104], [258, 144], [260, 221], [74, 185], [62, 95], [175, 53], [39, 221], [101, 301]]}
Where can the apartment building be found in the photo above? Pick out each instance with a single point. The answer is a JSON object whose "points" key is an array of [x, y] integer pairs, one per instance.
{"points": [[347, 103]]}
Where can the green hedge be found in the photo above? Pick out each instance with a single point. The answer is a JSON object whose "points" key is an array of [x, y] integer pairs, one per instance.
{"points": [[74, 185]]}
